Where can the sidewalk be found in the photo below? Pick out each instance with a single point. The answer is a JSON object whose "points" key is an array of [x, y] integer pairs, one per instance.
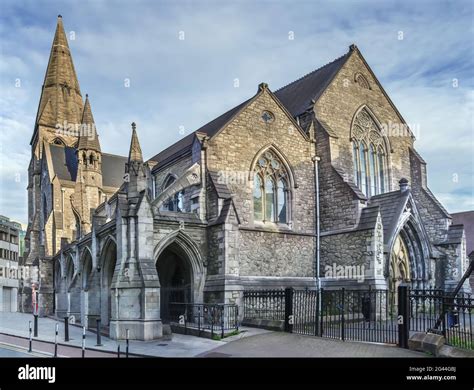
{"points": [[281, 344], [16, 324]]}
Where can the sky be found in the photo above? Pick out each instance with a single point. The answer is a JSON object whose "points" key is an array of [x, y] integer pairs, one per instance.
{"points": [[172, 66]]}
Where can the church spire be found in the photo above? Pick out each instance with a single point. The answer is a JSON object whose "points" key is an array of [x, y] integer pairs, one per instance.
{"points": [[88, 137], [61, 96], [135, 153]]}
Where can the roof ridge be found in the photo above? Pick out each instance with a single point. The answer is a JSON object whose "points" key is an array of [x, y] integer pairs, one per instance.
{"points": [[112, 154], [313, 71]]}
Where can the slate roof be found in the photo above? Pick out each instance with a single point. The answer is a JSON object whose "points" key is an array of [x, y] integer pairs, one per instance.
{"points": [[454, 235], [368, 217], [65, 165], [467, 219], [64, 162], [296, 97], [184, 145], [179, 148], [391, 205], [222, 190], [113, 169]]}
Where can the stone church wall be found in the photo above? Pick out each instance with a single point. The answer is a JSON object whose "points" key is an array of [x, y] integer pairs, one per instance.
{"points": [[233, 150], [338, 105], [338, 206], [276, 254]]}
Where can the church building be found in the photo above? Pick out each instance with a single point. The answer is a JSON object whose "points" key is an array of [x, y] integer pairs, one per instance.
{"points": [[291, 188]]}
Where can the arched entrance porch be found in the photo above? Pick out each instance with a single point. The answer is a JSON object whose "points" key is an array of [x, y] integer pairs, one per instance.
{"points": [[175, 274], [180, 271], [408, 261]]}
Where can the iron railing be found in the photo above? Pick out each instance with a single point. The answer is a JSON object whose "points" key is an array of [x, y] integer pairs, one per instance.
{"points": [[364, 314], [216, 318], [264, 304], [437, 310]]}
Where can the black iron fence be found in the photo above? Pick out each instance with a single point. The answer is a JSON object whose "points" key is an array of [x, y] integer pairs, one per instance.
{"points": [[436, 310], [365, 314], [359, 315], [264, 304], [218, 319]]}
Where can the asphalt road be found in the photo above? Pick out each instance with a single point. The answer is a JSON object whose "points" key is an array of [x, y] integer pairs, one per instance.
{"points": [[44, 349], [13, 353]]}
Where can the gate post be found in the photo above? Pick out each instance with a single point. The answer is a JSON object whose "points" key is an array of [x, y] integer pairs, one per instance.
{"points": [[343, 336], [403, 318], [289, 310], [316, 324]]}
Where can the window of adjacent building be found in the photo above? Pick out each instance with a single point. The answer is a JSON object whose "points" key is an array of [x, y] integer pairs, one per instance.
{"points": [[369, 156], [270, 190]]}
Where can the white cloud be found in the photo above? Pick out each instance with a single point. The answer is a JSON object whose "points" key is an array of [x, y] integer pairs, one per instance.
{"points": [[190, 82]]}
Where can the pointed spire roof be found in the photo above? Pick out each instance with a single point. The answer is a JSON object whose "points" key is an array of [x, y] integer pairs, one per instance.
{"points": [[60, 87], [135, 153], [88, 136]]}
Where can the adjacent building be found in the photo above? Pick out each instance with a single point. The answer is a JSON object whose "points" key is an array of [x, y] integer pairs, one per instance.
{"points": [[10, 233]]}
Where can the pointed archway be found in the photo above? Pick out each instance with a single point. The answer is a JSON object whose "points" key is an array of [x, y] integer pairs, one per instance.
{"points": [[175, 274], [108, 261], [180, 271]]}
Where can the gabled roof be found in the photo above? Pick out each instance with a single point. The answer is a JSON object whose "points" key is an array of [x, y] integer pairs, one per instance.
{"points": [[184, 145], [65, 166], [297, 96], [391, 205], [177, 149]]}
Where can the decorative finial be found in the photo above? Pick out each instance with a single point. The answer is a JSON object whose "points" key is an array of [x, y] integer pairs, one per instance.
{"points": [[134, 126], [403, 184], [60, 17], [262, 86], [87, 95], [352, 47]]}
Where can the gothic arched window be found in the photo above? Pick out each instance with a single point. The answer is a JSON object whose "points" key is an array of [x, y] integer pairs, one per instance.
{"points": [[369, 155], [270, 190], [362, 81]]}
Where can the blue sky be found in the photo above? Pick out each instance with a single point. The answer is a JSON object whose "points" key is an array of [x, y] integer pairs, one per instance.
{"points": [[178, 85]]}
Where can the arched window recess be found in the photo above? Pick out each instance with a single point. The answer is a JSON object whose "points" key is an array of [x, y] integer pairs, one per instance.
{"points": [[271, 190]]}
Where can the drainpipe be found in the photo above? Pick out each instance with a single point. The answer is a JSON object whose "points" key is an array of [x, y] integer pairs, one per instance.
{"points": [[203, 196], [316, 160]]}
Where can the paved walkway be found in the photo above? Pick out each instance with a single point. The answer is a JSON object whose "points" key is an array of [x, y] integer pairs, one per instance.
{"points": [[16, 324], [280, 344], [251, 342]]}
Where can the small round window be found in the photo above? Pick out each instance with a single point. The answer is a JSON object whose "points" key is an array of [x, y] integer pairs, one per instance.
{"points": [[267, 117]]}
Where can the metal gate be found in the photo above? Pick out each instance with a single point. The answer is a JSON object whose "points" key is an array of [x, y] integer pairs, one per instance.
{"points": [[358, 315], [170, 295], [371, 315]]}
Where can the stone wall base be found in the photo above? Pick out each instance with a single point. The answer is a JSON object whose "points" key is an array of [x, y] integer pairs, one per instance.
{"points": [[138, 329]]}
